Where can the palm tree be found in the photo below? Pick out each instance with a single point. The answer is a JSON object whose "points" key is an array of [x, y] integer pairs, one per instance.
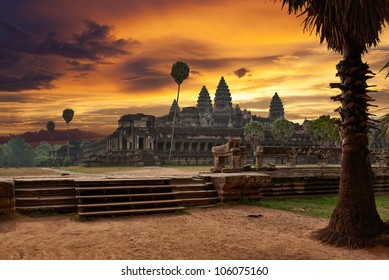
{"points": [[180, 71], [254, 134], [68, 115], [50, 127], [282, 130], [350, 27]]}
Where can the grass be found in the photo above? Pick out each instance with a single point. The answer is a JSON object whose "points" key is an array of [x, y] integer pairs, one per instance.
{"points": [[316, 207]]}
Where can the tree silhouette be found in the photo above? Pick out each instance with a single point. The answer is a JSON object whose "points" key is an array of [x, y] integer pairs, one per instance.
{"points": [[254, 133], [324, 131], [51, 127], [68, 115], [350, 27], [180, 71], [282, 130]]}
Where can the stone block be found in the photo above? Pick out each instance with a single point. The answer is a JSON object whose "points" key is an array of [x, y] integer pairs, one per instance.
{"points": [[7, 198]]}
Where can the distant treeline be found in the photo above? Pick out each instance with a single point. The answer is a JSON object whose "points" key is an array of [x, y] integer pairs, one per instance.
{"points": [[18, 153], [57, 136]]}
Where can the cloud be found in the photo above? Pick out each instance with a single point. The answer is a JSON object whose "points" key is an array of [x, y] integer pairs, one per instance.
{"points": [[78, 66], [194, 72], [95, 42], [144, 74], [27, 63], [81, 76], [285, 59], [6, 98], [31, 81], [241, 72]]}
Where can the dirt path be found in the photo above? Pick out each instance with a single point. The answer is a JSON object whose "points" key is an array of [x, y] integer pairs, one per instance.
{"points": [[222, 232]]}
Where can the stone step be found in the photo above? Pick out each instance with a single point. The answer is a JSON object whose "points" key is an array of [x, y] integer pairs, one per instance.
{"points": [[57, 207], [132, 203], [126, 195], [193, 187], [120, 181], [132, 211], [44, 191], [120, 187], [62, 203], [194, 194], [198, 201]]}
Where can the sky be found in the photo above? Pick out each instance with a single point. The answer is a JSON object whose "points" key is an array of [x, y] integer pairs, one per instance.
{"points": [[107, 58]]}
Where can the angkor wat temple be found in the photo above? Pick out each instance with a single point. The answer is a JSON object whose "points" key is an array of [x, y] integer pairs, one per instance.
{"points": [[145, 140]]}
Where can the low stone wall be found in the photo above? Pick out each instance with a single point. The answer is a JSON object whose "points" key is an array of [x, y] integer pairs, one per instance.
{"points": [[236, 186], [7, 198]]}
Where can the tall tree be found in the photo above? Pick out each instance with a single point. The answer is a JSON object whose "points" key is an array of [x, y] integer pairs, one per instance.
{"points": [[68, 115], [324, 131], [42, 154], [20, 153], [350, 27], [51, 127], [254, 133], [180, 71], [282, 130]]}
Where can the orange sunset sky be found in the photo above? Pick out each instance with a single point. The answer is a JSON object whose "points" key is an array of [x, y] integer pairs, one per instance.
{"points": [[106, 58]]}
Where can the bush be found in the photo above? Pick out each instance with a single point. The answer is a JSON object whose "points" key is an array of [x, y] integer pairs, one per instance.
{"points": [[67, 161]]}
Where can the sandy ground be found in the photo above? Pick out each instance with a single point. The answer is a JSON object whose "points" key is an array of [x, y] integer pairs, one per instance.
{"points": [[226, 231]]}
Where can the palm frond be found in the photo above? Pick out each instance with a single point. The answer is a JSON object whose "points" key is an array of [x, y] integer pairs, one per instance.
{"points": [[346, 22], [384, 67]]}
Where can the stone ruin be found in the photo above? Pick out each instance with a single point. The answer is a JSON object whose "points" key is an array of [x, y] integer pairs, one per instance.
{"points": [[229, 157]]}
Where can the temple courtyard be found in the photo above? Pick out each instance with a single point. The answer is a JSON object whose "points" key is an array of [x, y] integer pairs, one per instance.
{"points": [[222, 231], [225, 231]]}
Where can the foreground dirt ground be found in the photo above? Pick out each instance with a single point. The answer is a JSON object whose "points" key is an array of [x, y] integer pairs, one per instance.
{"points": [[226, 231]]}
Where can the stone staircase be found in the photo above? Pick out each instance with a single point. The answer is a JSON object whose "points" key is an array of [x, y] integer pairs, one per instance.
{"points": [[194, 192], [125, 196], [114, 196], [47, 194]]}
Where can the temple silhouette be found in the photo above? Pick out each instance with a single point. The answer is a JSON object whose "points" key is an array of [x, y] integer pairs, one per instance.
{"points": [[145, 139]]}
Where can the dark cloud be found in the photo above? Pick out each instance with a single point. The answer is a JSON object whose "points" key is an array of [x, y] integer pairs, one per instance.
{"points": [[5, 98], [95, 42], [194, 72], [117, 112], [143, 75], [26, 63], [241, 72], [32, 81], [81, 76], [78, 66]]}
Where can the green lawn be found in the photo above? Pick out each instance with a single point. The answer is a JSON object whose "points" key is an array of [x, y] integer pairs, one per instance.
{"points": [[317, 207]]}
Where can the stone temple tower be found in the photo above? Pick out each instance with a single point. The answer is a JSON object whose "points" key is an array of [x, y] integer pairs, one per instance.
{"points": [[204, 107], [276, 108], [222, 111]]}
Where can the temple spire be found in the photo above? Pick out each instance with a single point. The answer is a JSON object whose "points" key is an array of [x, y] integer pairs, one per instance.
{"points": [[204, 103], [174, 105], [222, 96], [276, 108]]}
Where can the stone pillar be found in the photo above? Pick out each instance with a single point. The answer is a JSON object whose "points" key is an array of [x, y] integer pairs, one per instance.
{"points": [[7, 198], [258, 161]]}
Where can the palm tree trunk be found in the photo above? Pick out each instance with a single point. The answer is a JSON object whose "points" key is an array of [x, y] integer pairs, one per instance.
{"points": [[355, 221], [174, 123], [68, 142]]}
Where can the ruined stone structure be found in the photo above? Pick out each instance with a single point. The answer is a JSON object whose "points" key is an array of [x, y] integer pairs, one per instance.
{"points": [[222, 114], [229, 157], [145, 140]]}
